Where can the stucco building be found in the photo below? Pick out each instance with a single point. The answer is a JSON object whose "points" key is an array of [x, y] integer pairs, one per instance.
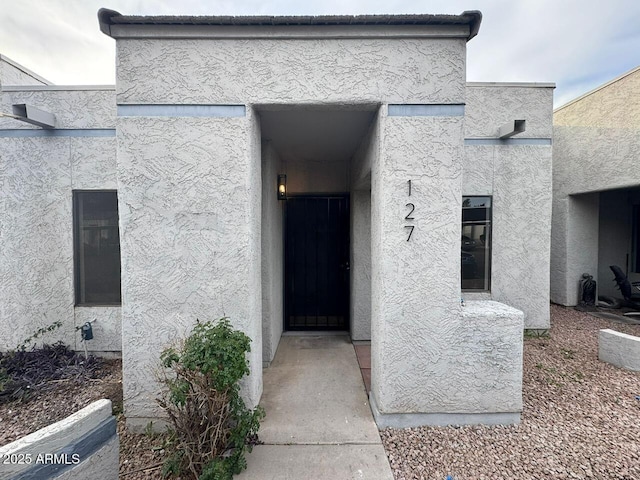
{"points": [[291, 173], [596, 188]]}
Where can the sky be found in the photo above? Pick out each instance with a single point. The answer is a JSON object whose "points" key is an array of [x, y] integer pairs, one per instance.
{"points": [[576, 44]]}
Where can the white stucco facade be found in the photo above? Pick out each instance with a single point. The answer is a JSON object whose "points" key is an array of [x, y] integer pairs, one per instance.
{"points": [[39, 171], [595, 187], [202, 120]]}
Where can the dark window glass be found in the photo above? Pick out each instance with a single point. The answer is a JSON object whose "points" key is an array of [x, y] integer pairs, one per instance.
{"points": [[476, 243], [97, 247]]}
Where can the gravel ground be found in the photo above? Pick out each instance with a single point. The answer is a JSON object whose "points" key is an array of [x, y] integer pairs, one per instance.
{"points": [[59, 400], [581, 418]]}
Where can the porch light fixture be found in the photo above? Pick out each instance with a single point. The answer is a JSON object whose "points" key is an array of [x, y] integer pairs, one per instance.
{"points": [[282, 186]]}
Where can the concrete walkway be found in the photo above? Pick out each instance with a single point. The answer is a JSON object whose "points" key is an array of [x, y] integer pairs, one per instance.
{"points": [[319, 424]]}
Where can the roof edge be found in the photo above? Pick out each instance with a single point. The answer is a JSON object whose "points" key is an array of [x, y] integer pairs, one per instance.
{"points": [[598, 88], [105, 17], [472, 18], [513, 84], [474, 23], [25, 70]]}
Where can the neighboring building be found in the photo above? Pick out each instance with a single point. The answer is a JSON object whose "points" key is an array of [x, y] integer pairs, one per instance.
{"points": [[149, 207], [596, 188]]}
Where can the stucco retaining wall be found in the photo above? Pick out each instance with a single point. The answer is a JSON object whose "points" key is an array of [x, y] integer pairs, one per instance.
{"points": [[619, 349], [477, 377], [83, 445]]}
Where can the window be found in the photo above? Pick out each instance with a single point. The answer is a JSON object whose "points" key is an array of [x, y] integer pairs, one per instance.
{"points": [[476, 243], [97, 247]]}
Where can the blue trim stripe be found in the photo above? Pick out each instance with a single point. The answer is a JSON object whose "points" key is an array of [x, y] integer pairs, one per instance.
{"points": [[55, 132], [224, 111], [84, 447], [432, 110], [507, 141]]}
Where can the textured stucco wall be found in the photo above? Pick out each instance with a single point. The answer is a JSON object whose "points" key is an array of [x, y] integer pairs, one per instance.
{"points": [[415, 284], [596, 145], [39, 174], [12, 73], [272, 254], [586, 160], [522, 231], [489, 106], [614, 105], [485, 364], [360, 314], [172, 275], [290, 70], [74, 107], [574, 245], [594, 159], [190, 208], [360, 257], [518, 177]]}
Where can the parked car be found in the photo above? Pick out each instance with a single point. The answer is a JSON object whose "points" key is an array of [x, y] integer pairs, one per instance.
{"points": [[468, 243], [469, 265]]}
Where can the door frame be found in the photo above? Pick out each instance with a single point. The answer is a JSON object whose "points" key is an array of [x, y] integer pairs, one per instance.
{"points": [[347, 327]]}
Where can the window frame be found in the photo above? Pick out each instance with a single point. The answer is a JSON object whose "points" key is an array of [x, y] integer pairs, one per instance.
{"points": [[489, 257], [76, 194]]}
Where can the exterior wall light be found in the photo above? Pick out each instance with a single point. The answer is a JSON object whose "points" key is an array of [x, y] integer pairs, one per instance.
{"points": [[282, 186]]}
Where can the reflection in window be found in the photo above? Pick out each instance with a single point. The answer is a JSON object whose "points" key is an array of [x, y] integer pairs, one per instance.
{"points": [[476, 243], [97, 247]]}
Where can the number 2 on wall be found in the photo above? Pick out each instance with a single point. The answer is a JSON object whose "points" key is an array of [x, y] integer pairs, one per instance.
{"points": [[413, 207]]}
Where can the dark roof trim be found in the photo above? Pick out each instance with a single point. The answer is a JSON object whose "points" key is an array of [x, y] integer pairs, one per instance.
{"points": [[471, 18]]}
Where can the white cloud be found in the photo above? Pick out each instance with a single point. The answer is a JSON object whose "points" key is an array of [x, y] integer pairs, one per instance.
{"points": [[576, 44]]}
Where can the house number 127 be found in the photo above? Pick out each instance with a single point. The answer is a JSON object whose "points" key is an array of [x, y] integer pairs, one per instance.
{"points": [[409, 216]]}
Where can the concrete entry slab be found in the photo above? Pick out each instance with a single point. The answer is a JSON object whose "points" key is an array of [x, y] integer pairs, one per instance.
{"points": [[313, 394], [317, 462], [319, 423]]}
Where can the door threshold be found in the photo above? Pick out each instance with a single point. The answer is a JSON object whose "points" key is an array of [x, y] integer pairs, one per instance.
{"points": [[313, 333]]}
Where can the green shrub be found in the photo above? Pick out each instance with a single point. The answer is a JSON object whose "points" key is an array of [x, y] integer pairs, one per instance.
{"points": [[211, 427]]}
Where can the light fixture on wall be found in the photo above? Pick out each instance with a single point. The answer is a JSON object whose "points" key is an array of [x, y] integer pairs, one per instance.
{"points": [[282, 186]]}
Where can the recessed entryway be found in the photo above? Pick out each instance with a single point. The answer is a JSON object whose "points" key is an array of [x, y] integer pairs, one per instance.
{"points": [[314, 235]]}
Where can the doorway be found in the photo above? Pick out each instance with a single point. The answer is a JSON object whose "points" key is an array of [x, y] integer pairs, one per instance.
{"points": [[316, 261]]}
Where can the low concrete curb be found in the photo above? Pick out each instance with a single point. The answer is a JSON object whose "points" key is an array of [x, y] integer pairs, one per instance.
{"points": [[83, 445], [619, 349]]}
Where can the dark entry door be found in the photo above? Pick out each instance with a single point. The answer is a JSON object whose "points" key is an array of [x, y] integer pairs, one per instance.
{"points": [[317, 263]]}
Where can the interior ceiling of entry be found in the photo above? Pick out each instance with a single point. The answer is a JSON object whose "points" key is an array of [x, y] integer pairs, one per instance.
{"points": [[315, 135]]}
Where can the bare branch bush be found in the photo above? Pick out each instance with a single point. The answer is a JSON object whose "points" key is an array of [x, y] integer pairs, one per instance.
{"points": [[211, 428]]}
